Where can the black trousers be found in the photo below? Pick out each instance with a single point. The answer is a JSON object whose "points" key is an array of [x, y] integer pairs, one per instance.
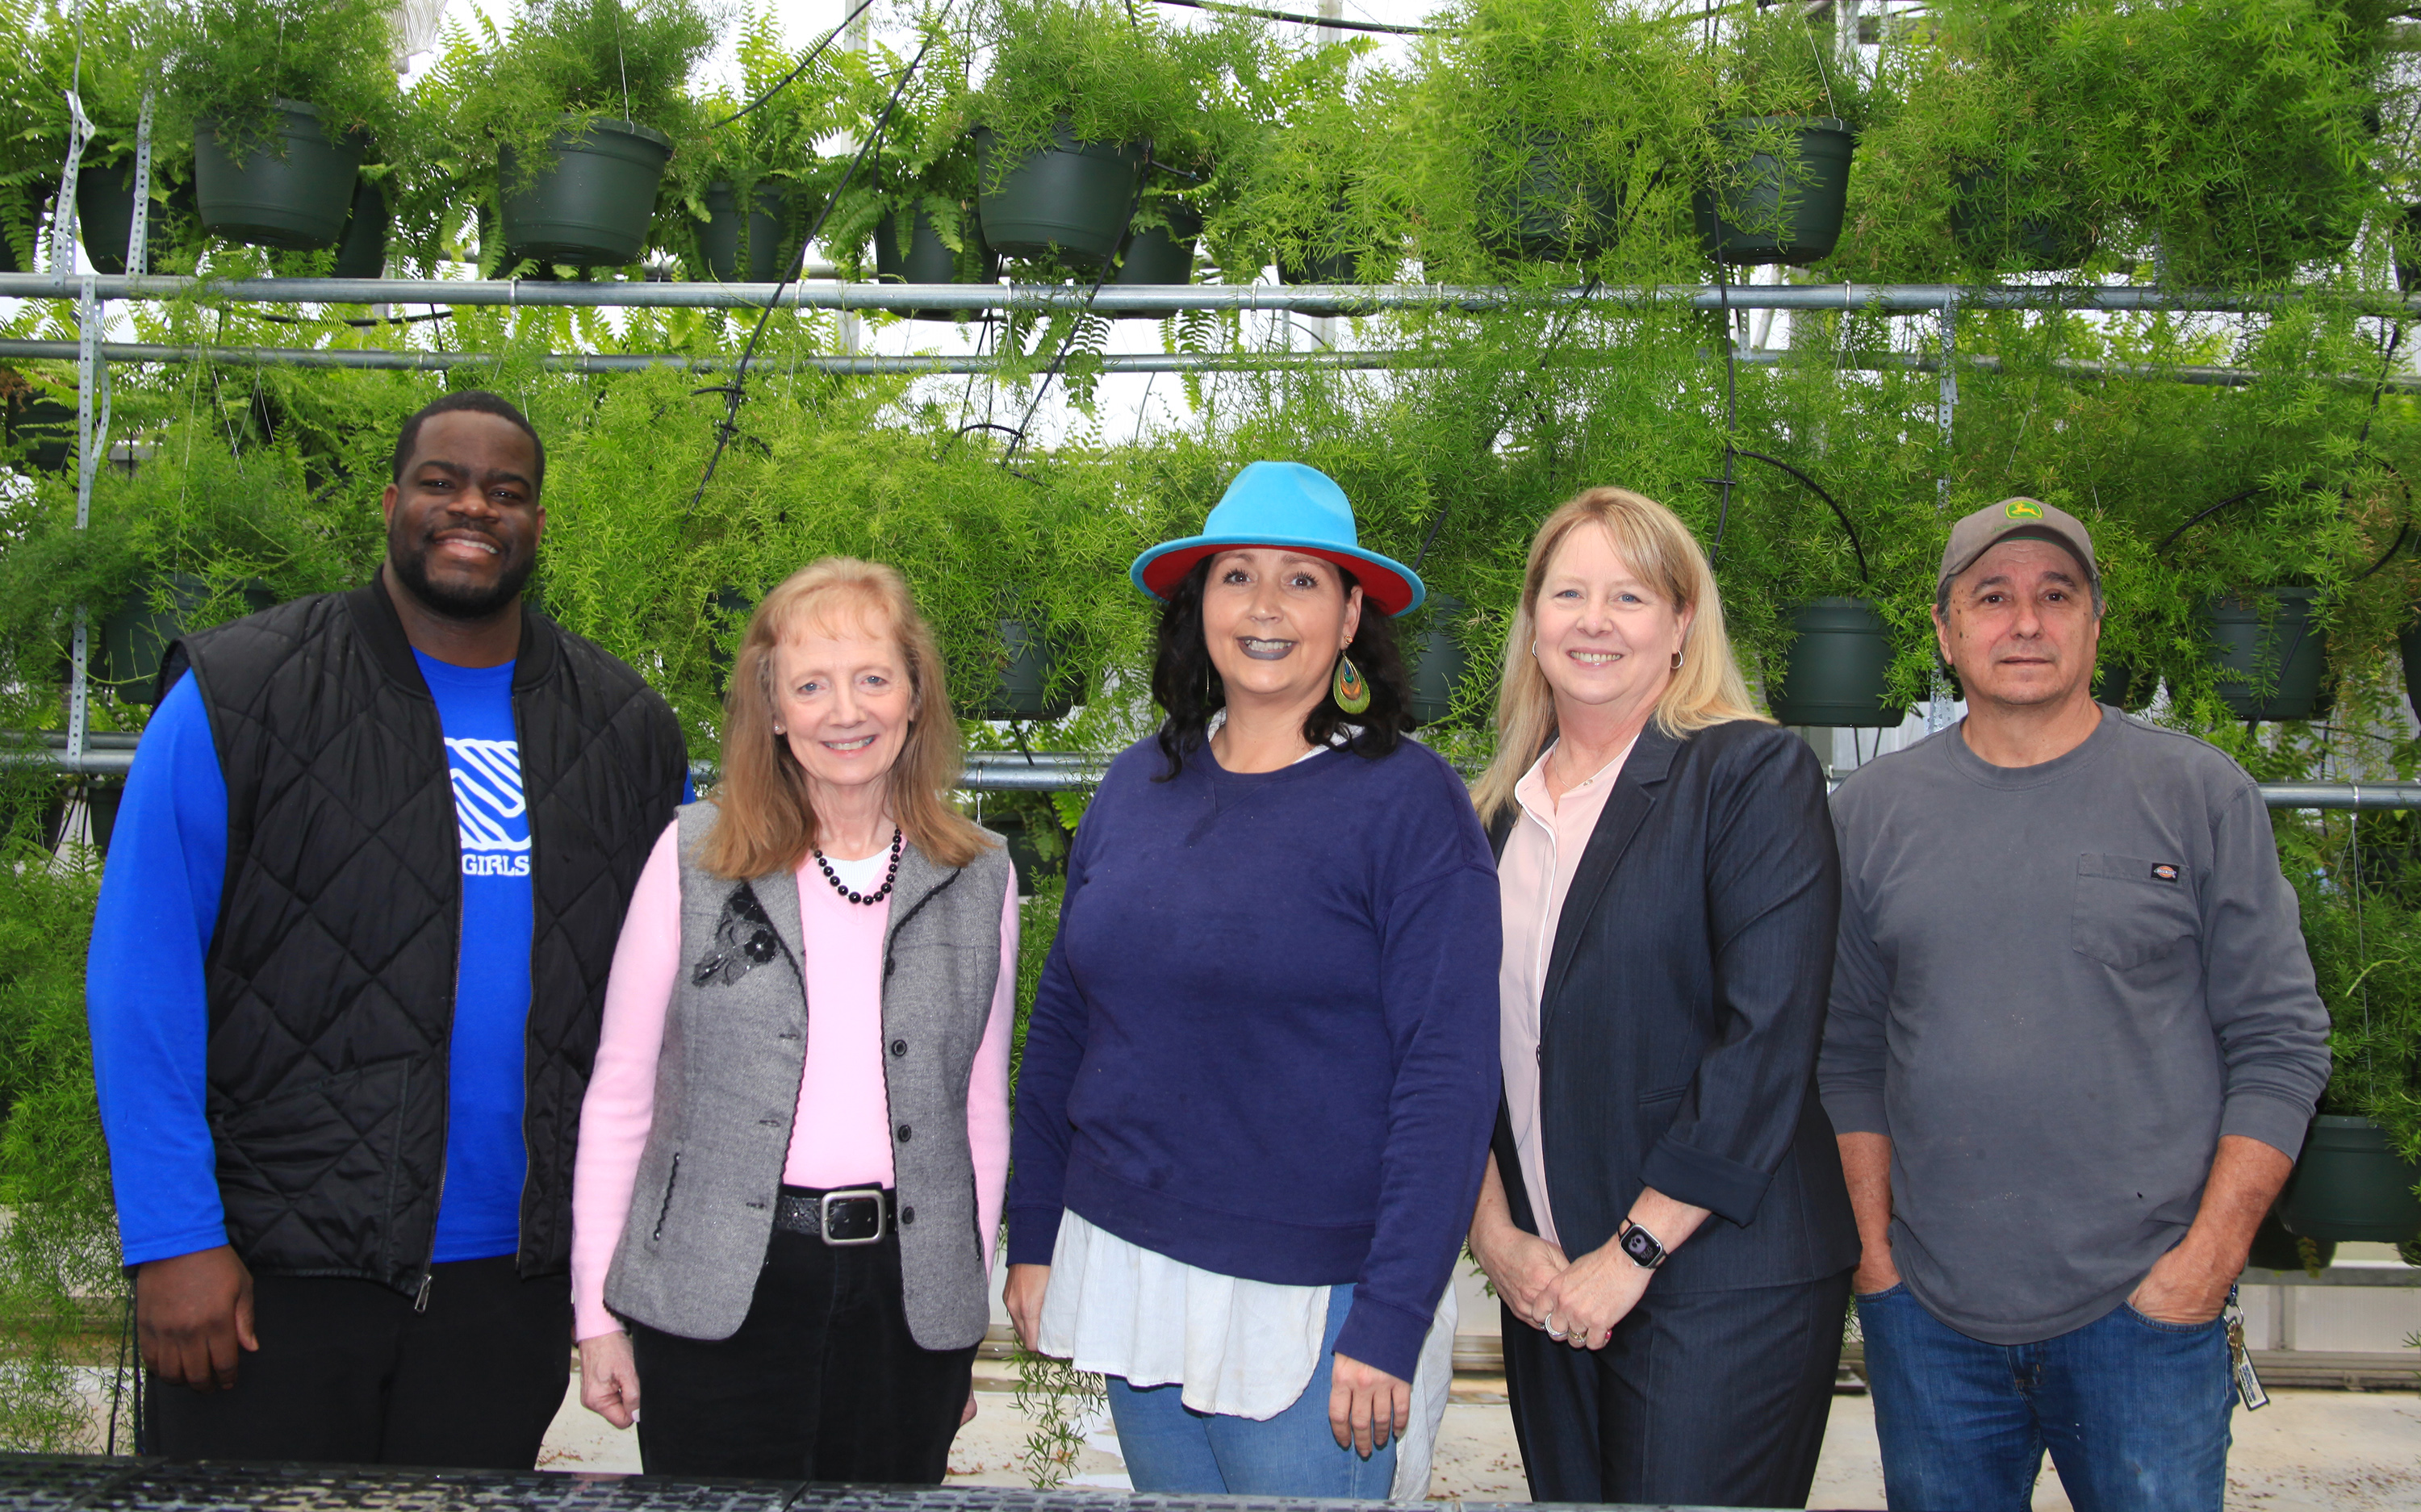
{"points": [[1709, 1399], [823, 1380], [348, 1372]]}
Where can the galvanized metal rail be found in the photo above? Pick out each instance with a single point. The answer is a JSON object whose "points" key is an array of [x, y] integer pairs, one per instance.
{"points": [[910, 364], [1113, 299], [110, 754]]}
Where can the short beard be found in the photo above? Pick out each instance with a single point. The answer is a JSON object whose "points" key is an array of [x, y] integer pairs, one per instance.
{"points": [[411, 570]]}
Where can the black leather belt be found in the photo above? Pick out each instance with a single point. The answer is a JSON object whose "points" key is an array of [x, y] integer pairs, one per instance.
{"points": [[853, 1215]]}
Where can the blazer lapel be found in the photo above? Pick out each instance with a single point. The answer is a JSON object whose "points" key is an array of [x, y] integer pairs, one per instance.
{"points": [[1625, 808]]}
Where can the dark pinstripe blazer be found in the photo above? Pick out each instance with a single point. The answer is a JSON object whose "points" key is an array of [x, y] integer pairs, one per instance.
{"points": [[1683, 1006]]}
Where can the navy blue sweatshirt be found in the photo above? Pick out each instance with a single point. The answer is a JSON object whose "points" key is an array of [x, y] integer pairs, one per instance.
{"points": [[1265, 1040]]}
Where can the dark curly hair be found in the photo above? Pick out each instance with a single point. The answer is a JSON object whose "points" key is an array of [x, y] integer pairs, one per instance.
{"points": [[1188, 687]]}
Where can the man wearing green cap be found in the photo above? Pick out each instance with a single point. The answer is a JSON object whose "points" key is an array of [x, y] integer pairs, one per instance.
{"points": [[2072, 1049]]}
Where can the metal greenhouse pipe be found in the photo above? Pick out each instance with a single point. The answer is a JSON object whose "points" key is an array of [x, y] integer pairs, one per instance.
{"points": [[1139, 362], [1145, 362], [1315, 299], [1051, 772]]}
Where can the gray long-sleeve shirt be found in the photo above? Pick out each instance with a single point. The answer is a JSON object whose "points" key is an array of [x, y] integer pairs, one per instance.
{"points": [[2057, 987]]}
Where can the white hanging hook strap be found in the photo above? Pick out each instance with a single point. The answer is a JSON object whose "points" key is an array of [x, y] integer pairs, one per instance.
{"points": [[138, 234], [63, 217]]}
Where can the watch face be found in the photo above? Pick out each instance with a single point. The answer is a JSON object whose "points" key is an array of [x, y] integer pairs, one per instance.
{"points": [[1640, 1247]]}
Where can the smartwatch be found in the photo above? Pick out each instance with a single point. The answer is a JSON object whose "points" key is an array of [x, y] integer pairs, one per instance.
{"points": [[1641, 1246]]}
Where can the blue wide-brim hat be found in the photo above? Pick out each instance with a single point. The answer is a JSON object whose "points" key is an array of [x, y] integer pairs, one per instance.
{"points": [[1296, 508]]}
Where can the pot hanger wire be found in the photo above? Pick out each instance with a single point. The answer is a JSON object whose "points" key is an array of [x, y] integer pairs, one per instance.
{"points": [[735, 393]]}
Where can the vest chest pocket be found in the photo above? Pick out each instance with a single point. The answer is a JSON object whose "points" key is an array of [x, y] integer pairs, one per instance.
{"points": [[2130, 911]]}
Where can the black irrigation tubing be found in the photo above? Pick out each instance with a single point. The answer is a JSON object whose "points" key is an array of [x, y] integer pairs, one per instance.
{"points": [[1818, 488], [358, 325], [786, 79], [2232, 499], [735, 391], [1731, 416], [1301, 20]]}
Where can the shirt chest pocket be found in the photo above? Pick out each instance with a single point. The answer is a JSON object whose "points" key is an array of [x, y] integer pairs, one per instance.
{"points": [[2130, 911]]}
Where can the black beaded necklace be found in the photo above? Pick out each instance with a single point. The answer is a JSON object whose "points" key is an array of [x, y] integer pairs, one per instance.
{"points": [[889, 877]]}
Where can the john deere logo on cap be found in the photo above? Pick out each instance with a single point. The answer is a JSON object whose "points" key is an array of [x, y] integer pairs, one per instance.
{"points": [[2023, 509]]}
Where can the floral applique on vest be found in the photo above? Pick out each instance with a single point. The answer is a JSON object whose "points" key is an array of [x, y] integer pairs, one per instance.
{"points": [[743, 941]]}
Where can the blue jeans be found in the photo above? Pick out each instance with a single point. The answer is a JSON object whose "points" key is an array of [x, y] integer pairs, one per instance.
{"points": [[2134, 1412], [1169, 1447]]}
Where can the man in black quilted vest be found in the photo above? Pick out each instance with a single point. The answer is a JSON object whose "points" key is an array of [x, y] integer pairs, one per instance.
{"points": [[346, 978]]}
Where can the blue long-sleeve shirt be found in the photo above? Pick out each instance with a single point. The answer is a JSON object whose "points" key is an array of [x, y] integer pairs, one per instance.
{"points": [[1265, 1040], [148, 1010]]}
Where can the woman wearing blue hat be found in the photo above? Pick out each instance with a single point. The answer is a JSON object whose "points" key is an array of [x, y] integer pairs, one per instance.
{"points": [[1261, 1075]]}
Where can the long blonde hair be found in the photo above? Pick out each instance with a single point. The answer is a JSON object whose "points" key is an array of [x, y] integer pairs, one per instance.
{"points": [[765, 822], [1654, 544]]}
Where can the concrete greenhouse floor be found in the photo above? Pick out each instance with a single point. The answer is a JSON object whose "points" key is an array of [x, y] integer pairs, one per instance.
{"points": [[2335, 1450]]}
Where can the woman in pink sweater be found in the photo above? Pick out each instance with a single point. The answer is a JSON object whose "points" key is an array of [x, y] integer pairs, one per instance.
{"points": [[795, 1138]]}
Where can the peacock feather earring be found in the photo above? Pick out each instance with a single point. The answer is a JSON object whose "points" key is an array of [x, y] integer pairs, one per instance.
{"points": [[1350, 690]]}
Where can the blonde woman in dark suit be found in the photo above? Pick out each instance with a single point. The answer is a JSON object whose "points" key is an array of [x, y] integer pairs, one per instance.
{"points": [[1664, 1215]]}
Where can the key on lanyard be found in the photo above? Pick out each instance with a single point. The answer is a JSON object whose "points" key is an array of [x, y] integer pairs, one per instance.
{"points": [[2248, 1384]]}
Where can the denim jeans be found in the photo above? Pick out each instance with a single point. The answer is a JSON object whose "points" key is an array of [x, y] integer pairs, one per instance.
{"points": [[2134, 1412], [1169, 1447]]}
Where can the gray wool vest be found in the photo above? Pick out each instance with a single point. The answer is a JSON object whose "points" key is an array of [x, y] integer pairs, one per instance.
{"points": [[728, 1088]]}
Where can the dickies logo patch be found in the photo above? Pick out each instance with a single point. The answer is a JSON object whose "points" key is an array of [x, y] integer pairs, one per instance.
{"points": [[2164, 872]]}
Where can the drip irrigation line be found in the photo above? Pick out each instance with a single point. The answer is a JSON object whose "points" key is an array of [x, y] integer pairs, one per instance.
{"points": [[783, 83], [1731, 416], [1818, 488], [735, 393], [358, 323], [1301, 20], [2232, 499]]}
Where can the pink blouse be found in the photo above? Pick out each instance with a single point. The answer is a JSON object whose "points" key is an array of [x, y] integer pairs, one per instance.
{"points": [[1541, 853], [841, 1132]]}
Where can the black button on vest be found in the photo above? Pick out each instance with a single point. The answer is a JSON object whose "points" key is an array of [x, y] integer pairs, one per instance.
{"points": [[900, 1046], [907, 1215], [904, 1132]]}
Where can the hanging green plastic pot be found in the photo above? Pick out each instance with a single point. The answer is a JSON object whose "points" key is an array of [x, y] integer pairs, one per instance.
{"points": [[753, 249], [2350, 1185], [2274, 1249], [293, 188], [362, 253], [1161, 254], [587, 199], [2124, 685], [1438, 661], [1837, 672], [105, 217], [1982, 223], [1025, 856], [1540, 212], [1070, 198], [133, 637], [1767, 208], [1322, 268], [41, 431], [929, 259], [1022, 689], [2269, 654]]}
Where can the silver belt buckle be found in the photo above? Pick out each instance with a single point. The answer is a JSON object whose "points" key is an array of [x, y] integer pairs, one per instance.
{"points": [[825, 1214]]}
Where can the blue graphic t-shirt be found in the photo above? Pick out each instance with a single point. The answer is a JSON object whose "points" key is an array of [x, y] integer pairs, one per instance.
{"points": [[479, 1213]]}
